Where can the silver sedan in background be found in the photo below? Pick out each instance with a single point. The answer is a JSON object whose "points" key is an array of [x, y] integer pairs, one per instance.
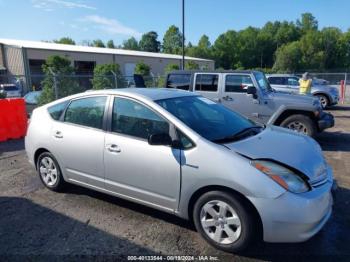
{"points": [[286, 83], [184, 154]]}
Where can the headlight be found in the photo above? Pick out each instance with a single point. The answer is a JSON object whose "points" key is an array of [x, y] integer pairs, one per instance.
{"points": [[283, 176]]}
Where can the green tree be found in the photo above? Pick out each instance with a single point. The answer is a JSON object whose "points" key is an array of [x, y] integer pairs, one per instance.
{"points": [[171, 67], [313, 54], [59, 68], [331, 44], [288, 58], [172, 40], [106, 76], [98, 43], [131, 44], [191, 65], [142, 69], [110, 44], [287, 32], [202, 50], [65, 40], [225, 50], [307, 23], [149, 42], [249, 51], [344, 50]]}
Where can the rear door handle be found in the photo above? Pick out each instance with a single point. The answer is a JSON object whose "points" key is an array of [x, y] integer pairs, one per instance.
{"points": [[113, 148], [58, 134]]}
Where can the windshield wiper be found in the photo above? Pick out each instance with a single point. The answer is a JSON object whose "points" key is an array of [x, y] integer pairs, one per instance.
{"points": [[245, 132]]}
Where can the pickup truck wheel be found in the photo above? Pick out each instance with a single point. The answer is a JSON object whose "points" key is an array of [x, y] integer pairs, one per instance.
{"points": [[225, 221], [300, 123], [324, 100]]}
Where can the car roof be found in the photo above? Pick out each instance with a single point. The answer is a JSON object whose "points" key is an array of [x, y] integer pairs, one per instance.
{"points": [[148, 93], [281, 75], [179, 72]]}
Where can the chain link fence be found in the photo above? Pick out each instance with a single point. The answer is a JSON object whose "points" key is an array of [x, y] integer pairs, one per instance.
{"points": [[63, 84]]}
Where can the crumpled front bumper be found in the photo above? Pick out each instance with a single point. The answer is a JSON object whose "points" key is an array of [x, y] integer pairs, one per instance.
{"points": [[326, 120], [295, 217]]}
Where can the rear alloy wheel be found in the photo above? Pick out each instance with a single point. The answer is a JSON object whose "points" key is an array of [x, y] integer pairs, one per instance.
{"points": [[301, 124], [50, 172], [224, 221], [323, 100]]}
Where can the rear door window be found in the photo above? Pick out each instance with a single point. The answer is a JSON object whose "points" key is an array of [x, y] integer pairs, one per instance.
{"points": [[293, 81], [237, 83], [87, 111], [277, 80], [207, 82], [179, 81]]}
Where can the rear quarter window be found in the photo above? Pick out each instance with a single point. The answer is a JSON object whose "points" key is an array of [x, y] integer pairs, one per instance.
{"points": [[56, 111], [207, 82], [179, 81]]}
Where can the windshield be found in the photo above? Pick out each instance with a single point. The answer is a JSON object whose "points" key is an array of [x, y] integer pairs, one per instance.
{"points": [[212, 121], [262, 82]]}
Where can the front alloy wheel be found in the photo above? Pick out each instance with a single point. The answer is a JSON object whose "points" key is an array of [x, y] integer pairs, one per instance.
{"points": [[220, 222], [226, 220]]}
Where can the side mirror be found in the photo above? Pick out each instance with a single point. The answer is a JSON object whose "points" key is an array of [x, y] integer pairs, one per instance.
{"points": [[160, 140], [251, 90]]}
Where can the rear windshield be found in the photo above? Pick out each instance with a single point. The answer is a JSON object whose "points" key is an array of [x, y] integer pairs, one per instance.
{"points": [[179, 81]]}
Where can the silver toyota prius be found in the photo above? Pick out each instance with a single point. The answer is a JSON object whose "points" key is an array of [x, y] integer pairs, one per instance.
{"points": [[184, 154]]}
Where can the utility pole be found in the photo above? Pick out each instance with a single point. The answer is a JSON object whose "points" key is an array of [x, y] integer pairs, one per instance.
{"points": [[54, 83], [183, 35]]}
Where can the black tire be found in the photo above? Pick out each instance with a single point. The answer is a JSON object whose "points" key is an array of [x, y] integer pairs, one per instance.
{"points": [[59, 182], [248, 222], [300, 123], [324, 100]]}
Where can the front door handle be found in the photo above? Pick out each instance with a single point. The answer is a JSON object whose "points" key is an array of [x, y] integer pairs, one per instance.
{"points": [[113, 148], [58, 134], [227, 98]]}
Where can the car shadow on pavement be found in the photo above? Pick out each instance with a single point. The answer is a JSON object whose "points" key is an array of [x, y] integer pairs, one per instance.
{"points": [[339, 108], [166, 217], [31, 232], [330, 242], [334, 141]]}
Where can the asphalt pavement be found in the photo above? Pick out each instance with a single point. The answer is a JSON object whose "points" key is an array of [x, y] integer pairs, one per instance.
{"points": [[79, 224]]}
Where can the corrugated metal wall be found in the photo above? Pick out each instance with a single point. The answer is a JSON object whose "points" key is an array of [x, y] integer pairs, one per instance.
{"points": [[14, 59], [2, 62]]}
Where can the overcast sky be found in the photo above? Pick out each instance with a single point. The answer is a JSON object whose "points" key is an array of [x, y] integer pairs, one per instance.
{"points": [[120, 19]]}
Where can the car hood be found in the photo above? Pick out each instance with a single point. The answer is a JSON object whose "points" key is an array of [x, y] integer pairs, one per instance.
{"points": [[289, 98], [288, 147], [325, 88]]}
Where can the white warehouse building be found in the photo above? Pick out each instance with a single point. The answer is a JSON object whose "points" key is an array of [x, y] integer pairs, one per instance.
{"points": [[24, 59]]}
